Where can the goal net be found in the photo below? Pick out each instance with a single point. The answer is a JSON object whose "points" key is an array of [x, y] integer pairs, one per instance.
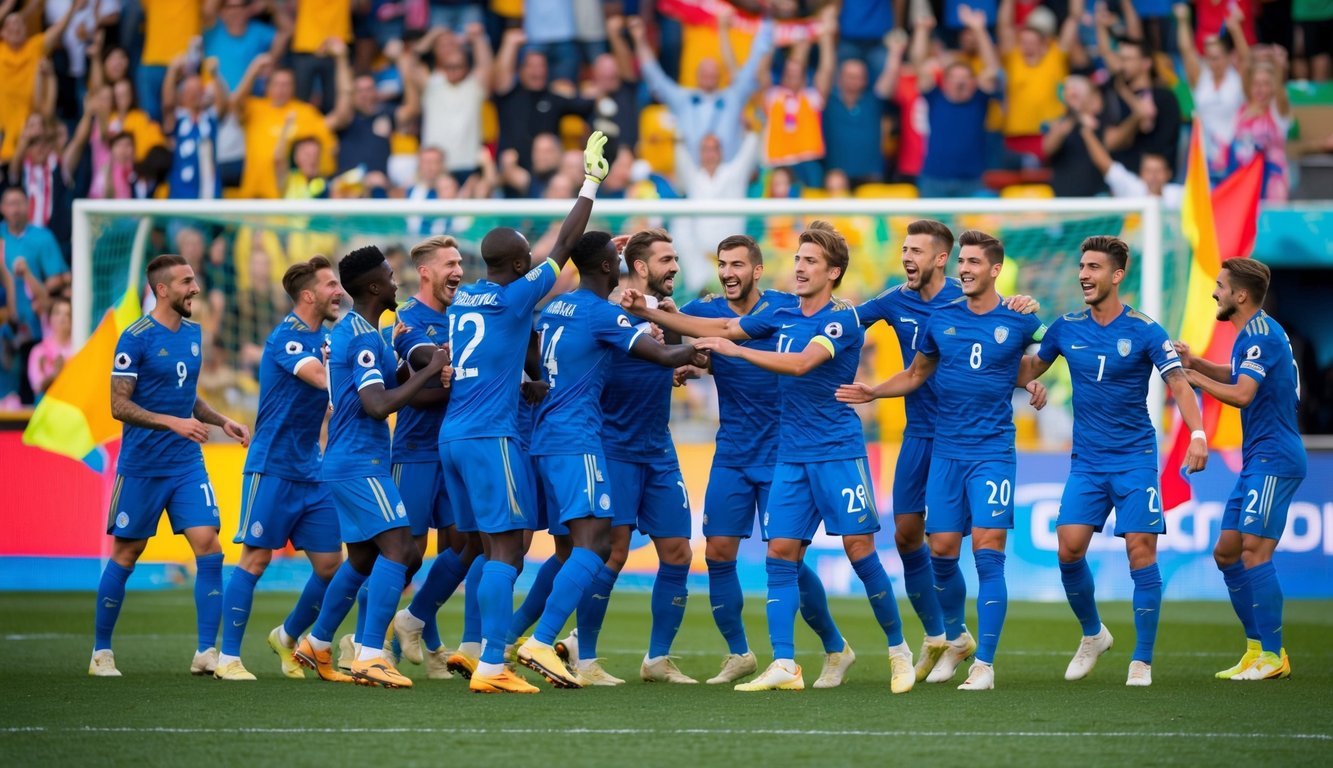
{"points": [[240, 249]]}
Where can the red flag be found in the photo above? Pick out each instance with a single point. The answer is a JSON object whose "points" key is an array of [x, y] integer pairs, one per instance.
{"points": [[1236, 210]]}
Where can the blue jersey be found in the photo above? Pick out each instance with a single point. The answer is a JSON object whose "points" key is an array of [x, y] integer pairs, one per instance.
{"points": [[165, 367], [979, 357], [1110, 367], [580, 333], [286, 438], [747, 395], [358, 443], [637, 409], [489, 327], [416, 431], [1271, 442], [906, 313], [813, 425]]}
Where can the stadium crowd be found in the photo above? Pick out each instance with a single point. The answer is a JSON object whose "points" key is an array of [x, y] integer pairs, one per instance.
{"points": [[441, 99]]}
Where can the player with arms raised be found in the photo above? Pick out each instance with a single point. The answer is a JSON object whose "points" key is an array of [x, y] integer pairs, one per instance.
{"points": [[742, 473], [580, 333], [282, 498], [380, 551], [154, 392], [486, 475], [821, 473], [1112, 350], [974, 346], [1264, 384]]}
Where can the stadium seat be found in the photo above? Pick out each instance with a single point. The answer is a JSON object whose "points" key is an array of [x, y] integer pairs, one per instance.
{"points": [[490, 123], [888, 191], [1027, 191], [814, 193]]}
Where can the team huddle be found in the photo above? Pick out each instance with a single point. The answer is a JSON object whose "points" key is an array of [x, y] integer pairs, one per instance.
{"points": [[506, 426]]}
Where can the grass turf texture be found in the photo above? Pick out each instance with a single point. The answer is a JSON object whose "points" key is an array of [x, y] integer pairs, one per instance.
{"points": [[53, 713]]}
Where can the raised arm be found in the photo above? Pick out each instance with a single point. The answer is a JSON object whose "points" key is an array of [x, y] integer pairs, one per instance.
{"points": [[595, 169], [900, 384], [506, 63], [887, 82], [633, 302], [379, 402], [51, 38], [725, 14], [1185, 43], [483, 58], [828, 51], [667, 91], [218, 86], [1236, 27], [615, 37], [921, 29], [1068, 40], [1004, 27], [1096, 150], [342, 111], [1133, 24], [1103, 19], [990, 61], [247, 84], [1057, 133], [169, 94], [746, 80]]}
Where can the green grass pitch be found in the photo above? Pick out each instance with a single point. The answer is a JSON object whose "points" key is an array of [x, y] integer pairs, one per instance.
{"points": [[52, 713]]}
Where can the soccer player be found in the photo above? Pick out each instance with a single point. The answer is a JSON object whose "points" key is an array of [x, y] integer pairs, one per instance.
{"points": [[416, 460], [742, 471], [581, 333], [486, 476], [1264, 383], [154, 394], [974, 346], [1112, 350], [380, 551], [906, 308], [282, 499], [821, 473], [646, 483]]}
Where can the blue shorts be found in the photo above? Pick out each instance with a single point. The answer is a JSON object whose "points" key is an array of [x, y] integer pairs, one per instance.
{"points": [[909, 475], [576, 487], [1090, 496], [734, 496], [541, 519], [137, 504], [367, 507], [652, 498], [839, 493], [961, 495], [1258, 505], [489, 485], [275, 510], [421, 484]]}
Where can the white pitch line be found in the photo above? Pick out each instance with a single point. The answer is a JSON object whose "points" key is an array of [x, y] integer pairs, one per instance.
{"points": [[677, 732]]}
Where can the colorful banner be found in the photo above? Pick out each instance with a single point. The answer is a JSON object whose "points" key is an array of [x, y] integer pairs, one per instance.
{"points": [[54, 532]]}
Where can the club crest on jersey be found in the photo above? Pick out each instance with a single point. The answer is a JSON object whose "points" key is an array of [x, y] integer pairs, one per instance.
{"points": [[194, 349], [833, 330], [294, 348], [122, 520], [1123, 346], [1001, 334], [122, 361], [604, 501], [400, 510], [257, 529], [366, 359]]}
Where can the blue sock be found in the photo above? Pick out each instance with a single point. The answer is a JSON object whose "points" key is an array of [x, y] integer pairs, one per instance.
{"points": [[592, 611], [919, 581], [444, 576], [668, 607], [236, 602], [534, 603], [992, 602], [814, 609], [1267, 594], [362, 598], [208, 598], [110, 595], [471, 608], [727, 601], [784, 598], [338, 601], [952, 592], [495, 597], [1147, 610], [570, 583], [1242, 601], [307, 606], [383, 590], [1081, 591], [879, 588]]}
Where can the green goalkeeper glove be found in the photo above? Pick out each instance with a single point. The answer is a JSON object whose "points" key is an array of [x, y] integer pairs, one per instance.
{"points": [[595, 166]]}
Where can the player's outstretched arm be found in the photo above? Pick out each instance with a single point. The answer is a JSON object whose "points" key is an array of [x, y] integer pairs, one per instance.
{"points": [[595, 169], [898, 385], [1236, 395], [1215, 371], [1196, 458], [632, 301], [125, 410], [667, 355], [233, 429], [815, 354], [434, 393], [379, 402]]}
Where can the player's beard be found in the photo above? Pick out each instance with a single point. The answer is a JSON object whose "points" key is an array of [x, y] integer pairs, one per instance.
{"points": [[923, 277], [181, 307], [658, 285], [1225, 311]]}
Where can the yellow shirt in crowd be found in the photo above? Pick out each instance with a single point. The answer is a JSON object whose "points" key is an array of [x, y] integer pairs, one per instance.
{"points": [[1032, 94], [18, 76], [263, 129], [318, 20], [169, 25]]}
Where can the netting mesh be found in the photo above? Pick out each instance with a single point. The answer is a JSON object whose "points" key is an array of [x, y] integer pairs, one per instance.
{"points": [[239, 261]]}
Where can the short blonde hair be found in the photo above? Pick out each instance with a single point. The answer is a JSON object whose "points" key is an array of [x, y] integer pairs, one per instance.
{"points": [[425, 250]]}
